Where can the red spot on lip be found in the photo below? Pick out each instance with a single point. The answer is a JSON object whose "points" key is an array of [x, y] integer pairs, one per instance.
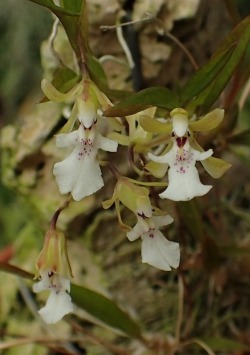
{"points": [[181, 141]]}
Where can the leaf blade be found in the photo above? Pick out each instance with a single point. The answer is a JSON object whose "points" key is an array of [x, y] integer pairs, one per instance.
{"points": [[105, 310], [154, 96], [224, 344]]}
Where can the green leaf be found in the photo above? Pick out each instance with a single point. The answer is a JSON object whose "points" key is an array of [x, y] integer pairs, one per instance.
{"points": [[219, 70], [154, 96], [204, 76], [72, 5], [224, 344], [64, 79], [241, 36], [97, 71], [54, 8], [105, 310], [70, 21]]}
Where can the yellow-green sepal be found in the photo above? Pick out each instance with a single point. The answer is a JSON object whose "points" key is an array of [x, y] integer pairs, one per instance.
{"points": [[154, 126], [208, 122], [214, 166], [71, 121], [55, 95], [156, 169], [120, 138]]}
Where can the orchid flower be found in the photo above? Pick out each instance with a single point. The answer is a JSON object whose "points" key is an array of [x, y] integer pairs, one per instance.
{"points": [[52, 270], [80, 172], [156, 249], [183, 178]]}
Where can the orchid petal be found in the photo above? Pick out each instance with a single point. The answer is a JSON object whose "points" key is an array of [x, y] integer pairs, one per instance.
{"points": [[89, 179], [184, 186], [57, 306], [66, 139], [160, 252], [135, 233], [139, 229], [106, 144], [161, 221]]}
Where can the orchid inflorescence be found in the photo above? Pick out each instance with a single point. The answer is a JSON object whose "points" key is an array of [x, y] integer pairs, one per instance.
{"points": [[80, 175]]}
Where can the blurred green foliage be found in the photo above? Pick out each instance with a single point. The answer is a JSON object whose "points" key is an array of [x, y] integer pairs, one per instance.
{"points": [[23, 26]]}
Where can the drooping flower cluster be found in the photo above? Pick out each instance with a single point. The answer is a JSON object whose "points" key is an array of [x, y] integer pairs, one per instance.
{"points": [[53, 270], [80, 174]]}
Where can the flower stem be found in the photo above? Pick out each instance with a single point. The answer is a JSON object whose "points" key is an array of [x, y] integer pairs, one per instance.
{"points": [[57, 214]]}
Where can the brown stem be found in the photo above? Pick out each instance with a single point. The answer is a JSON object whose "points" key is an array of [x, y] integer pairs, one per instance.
{"points": [[233, 11], [184, 49], [131, 159], [83, 63], [57, 214], [16, 271]]}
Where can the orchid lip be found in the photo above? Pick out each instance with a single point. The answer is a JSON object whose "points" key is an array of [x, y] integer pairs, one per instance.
{"points": [[181, 141]]}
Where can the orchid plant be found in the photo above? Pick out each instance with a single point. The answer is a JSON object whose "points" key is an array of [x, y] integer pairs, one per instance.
{"points": [[154, 152]]}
